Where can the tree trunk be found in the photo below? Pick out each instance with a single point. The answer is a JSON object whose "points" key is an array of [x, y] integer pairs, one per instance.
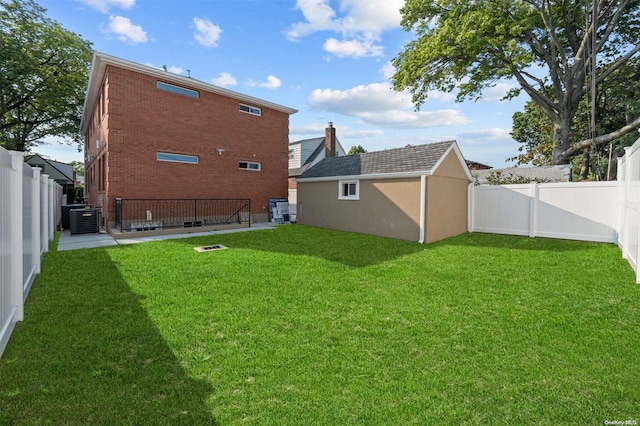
{"points": [[584, 167], [561, 131]]}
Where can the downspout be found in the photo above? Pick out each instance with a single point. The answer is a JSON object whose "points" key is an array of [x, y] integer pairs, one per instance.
{"points": [[423, 207]]}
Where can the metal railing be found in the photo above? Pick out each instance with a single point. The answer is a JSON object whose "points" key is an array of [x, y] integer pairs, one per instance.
{"points": [[154, 214]]}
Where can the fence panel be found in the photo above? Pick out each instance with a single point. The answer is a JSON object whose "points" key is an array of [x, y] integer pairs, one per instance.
{"points": [[578, 211], [629, 205], [26, 204], [500, 209], [7, 307]]}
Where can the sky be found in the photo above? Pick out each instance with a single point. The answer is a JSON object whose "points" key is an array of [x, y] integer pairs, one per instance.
{"points": [[329, 59]]}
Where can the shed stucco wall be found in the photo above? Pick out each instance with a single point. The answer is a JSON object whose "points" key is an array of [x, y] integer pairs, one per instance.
{"points": [[387, 207]]}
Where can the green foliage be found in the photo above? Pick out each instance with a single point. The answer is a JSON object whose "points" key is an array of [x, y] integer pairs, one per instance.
{"points": [[44, 71], [301, 325], [468, 46], [498, 177], [616, 105], [358, 149], [78, 167]]}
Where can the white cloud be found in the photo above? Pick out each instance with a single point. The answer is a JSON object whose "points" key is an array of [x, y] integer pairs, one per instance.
{"points": [[224, 79], [388, 70], [174, 69], [416, 119], [127, 31], [379, 105], [353, 48], [360, 24], [372, 16], [361, 134], [272, 82], [364, 98], [309, 129], [207, 33], [319, 17], [492, 133], [104, 5], [497, 92]]}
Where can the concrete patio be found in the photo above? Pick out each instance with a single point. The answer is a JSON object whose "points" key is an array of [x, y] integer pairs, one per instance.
{"points": [[104, 239]]}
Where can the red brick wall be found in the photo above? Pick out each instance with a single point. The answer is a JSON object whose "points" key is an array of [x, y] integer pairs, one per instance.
{"points": [[143, 121]]}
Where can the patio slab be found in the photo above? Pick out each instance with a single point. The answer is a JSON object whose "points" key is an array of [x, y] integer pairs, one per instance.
{"points": [[103, 239]]}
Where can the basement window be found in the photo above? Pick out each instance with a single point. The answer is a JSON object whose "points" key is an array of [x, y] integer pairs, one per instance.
{"points": [[250, 109], [348, 190], [250, 165], [177, 89], [177, 158]]}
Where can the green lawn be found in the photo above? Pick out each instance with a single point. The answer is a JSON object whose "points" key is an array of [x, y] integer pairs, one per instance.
{"points": [[299, 325]]}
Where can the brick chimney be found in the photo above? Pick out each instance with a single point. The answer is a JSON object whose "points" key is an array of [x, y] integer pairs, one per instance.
{"points": [[330, 140]]}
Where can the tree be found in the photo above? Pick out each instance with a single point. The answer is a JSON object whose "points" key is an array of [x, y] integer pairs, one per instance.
{"points": [[542, 44], [617, 104], [44, 71], [357, 149], [78, 167]]}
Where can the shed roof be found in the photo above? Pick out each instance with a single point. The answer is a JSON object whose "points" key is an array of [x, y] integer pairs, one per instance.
{"points": [[408, 160]]}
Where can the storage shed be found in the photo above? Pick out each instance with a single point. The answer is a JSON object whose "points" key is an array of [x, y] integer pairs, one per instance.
{"points": [[415, 193]]}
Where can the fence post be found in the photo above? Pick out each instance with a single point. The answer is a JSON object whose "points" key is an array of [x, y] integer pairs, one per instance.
{"points": [[51, 205], [35, 218], [470, 207], [44, 213], [15, 234], [534, 197]]}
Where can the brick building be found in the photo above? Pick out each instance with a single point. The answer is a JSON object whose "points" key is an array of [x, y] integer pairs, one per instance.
{"points": [[152, 134]]}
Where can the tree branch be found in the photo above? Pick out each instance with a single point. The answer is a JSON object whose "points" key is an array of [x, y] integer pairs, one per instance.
{"points": [[565, 155]]}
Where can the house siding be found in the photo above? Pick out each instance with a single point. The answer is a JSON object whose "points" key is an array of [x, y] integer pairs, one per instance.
{"points": [[143, 120]]}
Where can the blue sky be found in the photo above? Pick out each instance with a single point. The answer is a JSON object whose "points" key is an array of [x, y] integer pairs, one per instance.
{"points": [[329, 59]]}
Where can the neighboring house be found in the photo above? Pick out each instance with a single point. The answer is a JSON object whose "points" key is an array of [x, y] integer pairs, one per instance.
{"points": [[474, 165], [153, 134], [560, 173], [416, 193], [305, 153], [61, 173]]}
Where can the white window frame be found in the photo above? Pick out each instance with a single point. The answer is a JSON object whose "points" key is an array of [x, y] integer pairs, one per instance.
{"points": [[343, 196], [248, 109], [248, 164], [177, 158]]}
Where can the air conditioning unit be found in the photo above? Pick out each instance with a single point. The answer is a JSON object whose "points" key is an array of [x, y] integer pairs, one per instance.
{"points": [[84, 221], [66, 216]]}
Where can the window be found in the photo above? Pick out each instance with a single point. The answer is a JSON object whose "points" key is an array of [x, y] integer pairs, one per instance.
{"points": [[176, 89], [290, 153], [250, 165], [177, 158], [249, 109], [348, 190]]}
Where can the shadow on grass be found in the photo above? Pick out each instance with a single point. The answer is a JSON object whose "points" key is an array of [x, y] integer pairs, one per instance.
{"points": [[348, 248], [87, 353], [514, 242]]}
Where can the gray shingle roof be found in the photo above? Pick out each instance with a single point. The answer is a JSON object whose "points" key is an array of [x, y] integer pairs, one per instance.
{"points": [[419, 158]]}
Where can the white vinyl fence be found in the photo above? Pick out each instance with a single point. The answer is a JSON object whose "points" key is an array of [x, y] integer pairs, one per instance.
{"points": [[575, 211], [29, 212], [589, 211], [629, 205]]}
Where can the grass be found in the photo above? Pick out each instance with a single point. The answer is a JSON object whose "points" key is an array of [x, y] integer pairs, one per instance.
{"points": [[299, 325]]}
